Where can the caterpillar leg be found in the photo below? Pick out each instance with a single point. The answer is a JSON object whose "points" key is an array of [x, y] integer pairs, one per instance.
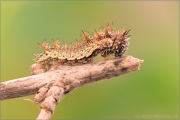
{"points": [[90, 60], [80, 62]]}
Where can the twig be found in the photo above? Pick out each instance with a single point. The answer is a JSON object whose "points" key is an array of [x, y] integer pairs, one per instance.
{"points": [[52, 85], [51, 98]]}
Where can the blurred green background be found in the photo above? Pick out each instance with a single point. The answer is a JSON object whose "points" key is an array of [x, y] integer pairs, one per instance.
{"points": [[151, 93]]}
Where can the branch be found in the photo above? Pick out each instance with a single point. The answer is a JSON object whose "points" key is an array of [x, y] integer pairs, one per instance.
{"points": [[60, 80], [71, 76]]}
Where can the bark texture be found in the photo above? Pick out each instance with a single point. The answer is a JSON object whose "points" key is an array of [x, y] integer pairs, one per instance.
{"points": [[71, 76], [50, 86]]}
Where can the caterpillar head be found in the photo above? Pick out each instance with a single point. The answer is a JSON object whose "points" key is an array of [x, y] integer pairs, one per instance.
{"points": [[121, 43]]}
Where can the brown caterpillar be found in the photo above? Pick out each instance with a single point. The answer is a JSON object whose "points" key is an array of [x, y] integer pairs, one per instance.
{"points": [[106, 42]]}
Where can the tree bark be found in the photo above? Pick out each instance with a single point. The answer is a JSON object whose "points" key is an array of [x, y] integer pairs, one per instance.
{"points": [[70, 76]]}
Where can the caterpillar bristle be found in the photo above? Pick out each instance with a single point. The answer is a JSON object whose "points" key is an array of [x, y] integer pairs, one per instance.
{"points": [[45, 46], [85, 36], [64, 47], [56, 44], [97, 35], [82, 43], [126, 32], [120, 33], [71, 47], [77, 44], [106, 32]]}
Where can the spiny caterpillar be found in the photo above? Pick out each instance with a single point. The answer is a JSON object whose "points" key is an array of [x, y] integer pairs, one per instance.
{"points": [[106, 42]]}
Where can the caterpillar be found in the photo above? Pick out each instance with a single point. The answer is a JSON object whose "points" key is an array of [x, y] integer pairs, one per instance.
{"points": [[105, 42]]}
